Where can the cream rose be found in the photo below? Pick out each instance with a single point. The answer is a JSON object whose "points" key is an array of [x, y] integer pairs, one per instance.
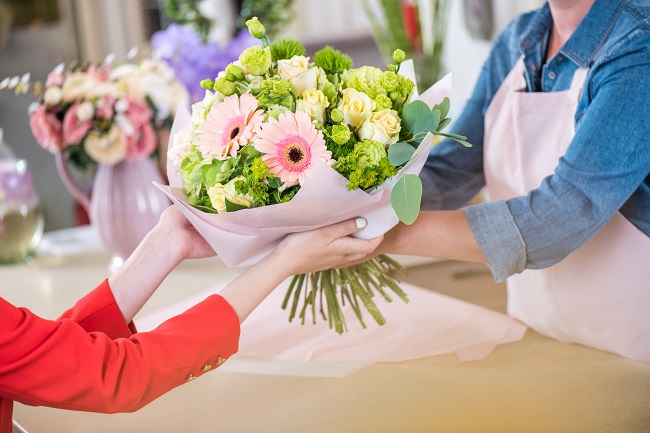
{"points": [[383, 127], [106, 148], [304, 81], [292, 67], [86, 111], [313, 102], [356, 107], [219, 193], [77, 86], [53, 95]]}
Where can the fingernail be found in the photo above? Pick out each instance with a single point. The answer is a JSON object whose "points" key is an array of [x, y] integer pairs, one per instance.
{"points": [[361, 223]]}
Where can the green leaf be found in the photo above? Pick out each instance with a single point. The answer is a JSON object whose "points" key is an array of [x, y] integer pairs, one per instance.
{"points": [[424, 124], [443, 107], [399, 153], [232, 207], [444, 124], [413, 112], [406, 197]]}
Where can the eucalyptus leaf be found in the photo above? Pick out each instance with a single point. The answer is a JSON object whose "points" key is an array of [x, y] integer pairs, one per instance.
{"points": [[413, 112], [444, 124], [406, 197], [435, 123], [423, 125], [443, 107], [399, 153]]}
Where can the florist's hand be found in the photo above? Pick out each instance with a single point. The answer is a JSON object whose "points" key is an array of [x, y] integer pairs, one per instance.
{"points": [[176, 232], [324, 248]]}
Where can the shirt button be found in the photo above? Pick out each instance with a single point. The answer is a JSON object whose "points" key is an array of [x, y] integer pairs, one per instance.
{"points": [[220, 360], [559, 58], [206, 367], [551, 75], [190, 377]]}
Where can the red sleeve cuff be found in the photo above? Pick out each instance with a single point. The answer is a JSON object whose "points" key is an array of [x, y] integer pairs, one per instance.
{"points": [[98, 312]]}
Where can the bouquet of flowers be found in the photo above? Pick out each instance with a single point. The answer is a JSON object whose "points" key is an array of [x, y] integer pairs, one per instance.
{"points": [[105, 114], [280, 145]]}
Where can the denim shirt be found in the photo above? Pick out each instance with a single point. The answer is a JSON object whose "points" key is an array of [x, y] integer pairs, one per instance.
{"points": [[606, 168]]}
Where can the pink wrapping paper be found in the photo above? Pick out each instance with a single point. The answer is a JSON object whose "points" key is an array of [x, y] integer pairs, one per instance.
{"points": [[430, 324], [244, 237]]}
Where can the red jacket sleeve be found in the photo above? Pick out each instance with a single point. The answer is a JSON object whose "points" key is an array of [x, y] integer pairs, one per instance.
{"points": [[65, 364]]}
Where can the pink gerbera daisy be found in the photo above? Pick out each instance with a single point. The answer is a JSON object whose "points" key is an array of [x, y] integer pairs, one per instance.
{"points": [[291, 146], [230, 125]]}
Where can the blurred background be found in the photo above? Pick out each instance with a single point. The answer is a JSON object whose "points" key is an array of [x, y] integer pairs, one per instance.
{"points": [[36, 35]]}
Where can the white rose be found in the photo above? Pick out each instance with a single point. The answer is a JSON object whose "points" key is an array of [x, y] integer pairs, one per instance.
{"points": [[383, 127], [219, 193], [105, 88], [292, 67], [53, 95], [304, 81], [85, 112], [313, 102], [356, 107], [106, 148], [180, 146]]}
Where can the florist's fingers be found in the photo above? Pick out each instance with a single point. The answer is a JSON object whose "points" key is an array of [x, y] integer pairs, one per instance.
{"points": [[344, 228], [351, 246]]}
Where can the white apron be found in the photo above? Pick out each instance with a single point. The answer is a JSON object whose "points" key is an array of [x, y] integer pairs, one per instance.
{"points": [[599, 295]]}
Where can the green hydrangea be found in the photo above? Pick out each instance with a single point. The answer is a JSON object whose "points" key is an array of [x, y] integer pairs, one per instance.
{"points": [[286, 48], [368, 153], [256, 60], [366, 79]]}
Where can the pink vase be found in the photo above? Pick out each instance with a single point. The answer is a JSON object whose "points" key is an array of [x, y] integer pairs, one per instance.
{"points": [[123, 205]]}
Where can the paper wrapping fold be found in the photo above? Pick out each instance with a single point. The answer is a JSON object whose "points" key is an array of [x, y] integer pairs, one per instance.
{"points": [[430, 324], [244, 237]]}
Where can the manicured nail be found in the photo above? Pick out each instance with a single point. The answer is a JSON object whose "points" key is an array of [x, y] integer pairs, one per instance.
{"points": [[361, 223]]}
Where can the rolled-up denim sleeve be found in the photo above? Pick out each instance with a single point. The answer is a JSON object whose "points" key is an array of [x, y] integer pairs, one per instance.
{"points": [[498, 236]]}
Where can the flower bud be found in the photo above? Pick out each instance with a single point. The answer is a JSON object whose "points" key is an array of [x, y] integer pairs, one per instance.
{"points": [[207, 84], [256, 28], [234, 73], [337, 115], [341, 134], [225, 87], [399, 56]]}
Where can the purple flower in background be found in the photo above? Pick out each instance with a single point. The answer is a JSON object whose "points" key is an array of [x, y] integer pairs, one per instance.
{"points": [[193, 60]]}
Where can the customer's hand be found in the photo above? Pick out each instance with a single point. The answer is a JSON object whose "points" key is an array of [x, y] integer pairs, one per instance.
{"points": [[324, 248], [175, 232]]}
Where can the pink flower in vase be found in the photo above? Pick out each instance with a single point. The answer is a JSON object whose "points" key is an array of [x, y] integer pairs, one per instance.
{"points": [[141, 143], [105, 109], [47, 130], [75, 129], [292, 145], [99, 73]]}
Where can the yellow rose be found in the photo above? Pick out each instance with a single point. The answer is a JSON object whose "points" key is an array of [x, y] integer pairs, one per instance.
{"points": [[219, 193], [306, 80], [383, 127], [106, 148], [356, 107], [292, 67], [313, 102]]}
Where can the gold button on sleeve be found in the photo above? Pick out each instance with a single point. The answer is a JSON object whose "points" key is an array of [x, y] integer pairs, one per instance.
{"points": [[206, 367], [190, 377], [220, 360]]}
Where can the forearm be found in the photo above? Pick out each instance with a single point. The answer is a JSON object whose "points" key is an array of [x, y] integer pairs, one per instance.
{"points": [[439, 234], [134, 283], [249, 289]]}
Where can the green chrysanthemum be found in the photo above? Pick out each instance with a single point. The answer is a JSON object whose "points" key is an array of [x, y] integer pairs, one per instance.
{"points": [[286, 48], [332, 60]]}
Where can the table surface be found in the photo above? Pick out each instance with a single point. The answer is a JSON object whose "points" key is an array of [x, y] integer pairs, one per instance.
{"points": [[534, 385]]}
